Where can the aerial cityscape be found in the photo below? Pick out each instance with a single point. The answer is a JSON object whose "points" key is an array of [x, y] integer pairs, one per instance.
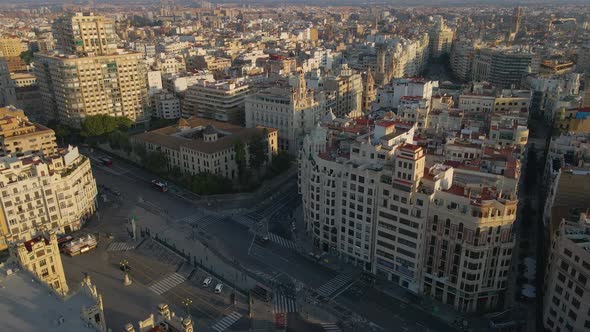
{"points": [[294, 166]]}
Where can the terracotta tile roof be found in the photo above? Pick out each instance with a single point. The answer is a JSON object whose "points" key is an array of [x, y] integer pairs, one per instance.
{"points": [[164, 136]]}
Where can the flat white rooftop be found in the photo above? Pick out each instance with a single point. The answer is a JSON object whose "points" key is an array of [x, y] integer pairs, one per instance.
{"points": [[27, 305]]}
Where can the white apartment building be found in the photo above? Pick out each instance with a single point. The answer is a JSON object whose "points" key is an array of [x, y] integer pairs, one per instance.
{"points": [[154, 81], [476, 103], [566, 299], [166, 105], [222, 100], [7, 92], [294, 112], [179, 83], [440, 231], [462, 54], [389, 95]]}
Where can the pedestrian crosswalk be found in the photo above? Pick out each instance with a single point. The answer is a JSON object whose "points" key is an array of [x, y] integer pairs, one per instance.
{"points": [[330, 287], [227, 321], [121, 246], [283, 304], [282, 241], [330, 327], [167, 283]]}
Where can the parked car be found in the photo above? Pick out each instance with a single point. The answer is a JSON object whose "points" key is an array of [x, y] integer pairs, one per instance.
{"points": [[218, 288], [207, 281]]}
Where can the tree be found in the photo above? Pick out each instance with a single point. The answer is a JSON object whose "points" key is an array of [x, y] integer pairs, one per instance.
{"points": [[240, 156], [280, 163], [27, 56], [139, 150], [102, 125], [156, 162], [157, 123], [258, 151]]}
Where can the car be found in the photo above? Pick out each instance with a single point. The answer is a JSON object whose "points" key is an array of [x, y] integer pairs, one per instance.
{"points": [[160, 185], [262, 240], [207, 281], [218, 288], [107, 161]]}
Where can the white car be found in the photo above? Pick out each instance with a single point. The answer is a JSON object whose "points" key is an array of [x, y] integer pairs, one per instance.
{"points": [[207, 281], [218, 288]]}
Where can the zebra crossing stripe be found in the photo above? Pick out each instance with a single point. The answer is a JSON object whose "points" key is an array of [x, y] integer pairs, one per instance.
{"points": [[283, 304], [330, 327], [226, 322], [120, 246], [282, 241], [333, 285], [167, 283]]}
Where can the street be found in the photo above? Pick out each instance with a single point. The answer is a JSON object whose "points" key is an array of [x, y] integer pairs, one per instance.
{"points": [[222, 242]]}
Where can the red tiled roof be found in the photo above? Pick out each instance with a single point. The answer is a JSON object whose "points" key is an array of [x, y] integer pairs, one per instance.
{"points": [[29, 244]]}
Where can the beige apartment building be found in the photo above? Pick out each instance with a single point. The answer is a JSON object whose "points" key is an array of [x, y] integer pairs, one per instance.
{"points": [[469, 239], [197, 145], [348, 89], [208, 62], [566, 299], [40, 255], [74, 87], [85, 34], [11, 47], [294, 112], [217, 100], [441, 39], [20, 136], [56, 192]]}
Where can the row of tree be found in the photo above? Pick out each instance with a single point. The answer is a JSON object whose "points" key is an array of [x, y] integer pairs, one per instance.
{"points": [[253, 165]]}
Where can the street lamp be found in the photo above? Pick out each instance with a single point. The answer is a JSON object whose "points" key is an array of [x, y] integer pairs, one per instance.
{"points": [[125, 267], [187, 303]]}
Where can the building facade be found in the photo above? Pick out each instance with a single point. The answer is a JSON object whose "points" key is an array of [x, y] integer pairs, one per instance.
{"points": [[292, 111], [442, 231], [166, 105], [566, 299], [74, 87], [217, 100], [40, 255], [20, 136], [198, 145], [57, 192], [85, 34]]}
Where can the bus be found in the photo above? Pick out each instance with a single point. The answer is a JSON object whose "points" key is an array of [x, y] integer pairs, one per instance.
{"points": [[161, 186], [80, 245], [62, 241]]}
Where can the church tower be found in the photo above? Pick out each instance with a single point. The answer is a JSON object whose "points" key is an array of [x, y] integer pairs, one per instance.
{"points": [[369, 94]]}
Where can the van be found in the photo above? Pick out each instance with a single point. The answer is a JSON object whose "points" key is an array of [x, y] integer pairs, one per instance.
{"points": [[207, 281]]}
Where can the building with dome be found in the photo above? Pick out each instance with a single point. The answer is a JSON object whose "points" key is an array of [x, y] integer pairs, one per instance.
{"points": [[196, 145]]}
